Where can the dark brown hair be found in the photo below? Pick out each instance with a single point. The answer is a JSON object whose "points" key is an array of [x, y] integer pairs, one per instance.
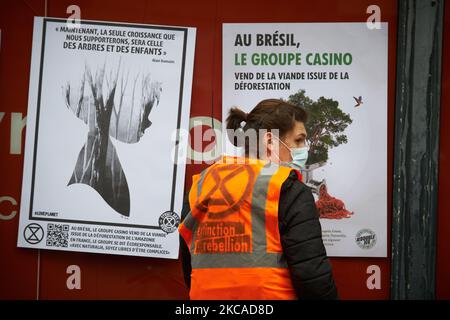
{"points": [[269, 114]]}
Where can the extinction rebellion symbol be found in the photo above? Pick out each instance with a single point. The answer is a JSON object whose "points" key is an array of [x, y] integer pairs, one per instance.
{"points": [[366, 239], [169, 221], [33, 233], [226, 198]]}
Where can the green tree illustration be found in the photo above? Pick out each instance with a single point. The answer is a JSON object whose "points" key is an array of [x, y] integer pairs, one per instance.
{"points": [[325, 126]]}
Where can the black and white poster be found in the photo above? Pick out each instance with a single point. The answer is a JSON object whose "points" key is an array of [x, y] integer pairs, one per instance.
{"points": [[106, 104]]}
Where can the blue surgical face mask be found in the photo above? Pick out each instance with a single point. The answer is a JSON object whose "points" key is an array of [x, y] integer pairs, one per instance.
{"points": [[299, 156]]}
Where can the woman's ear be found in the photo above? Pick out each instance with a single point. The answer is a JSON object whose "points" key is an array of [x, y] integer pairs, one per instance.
{"points": [[268, 141]]}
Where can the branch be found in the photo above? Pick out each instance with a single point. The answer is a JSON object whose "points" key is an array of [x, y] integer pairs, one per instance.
{"points": [[90, 158], [80, 100], [132, 108], [68, 96]]}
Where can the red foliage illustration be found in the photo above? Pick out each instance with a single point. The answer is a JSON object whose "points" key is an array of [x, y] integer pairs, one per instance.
{"points": [[330, 207]]}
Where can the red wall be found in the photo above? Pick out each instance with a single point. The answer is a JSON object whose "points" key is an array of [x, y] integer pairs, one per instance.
{"points": [[443, 243], [27, 273]]}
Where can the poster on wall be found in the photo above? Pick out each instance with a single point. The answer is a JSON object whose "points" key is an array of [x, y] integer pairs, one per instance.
{"points": [[338, 73], [105, 102]]}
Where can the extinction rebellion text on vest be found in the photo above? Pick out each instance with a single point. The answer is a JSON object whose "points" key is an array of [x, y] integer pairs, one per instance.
{"points": [[221, 237]]}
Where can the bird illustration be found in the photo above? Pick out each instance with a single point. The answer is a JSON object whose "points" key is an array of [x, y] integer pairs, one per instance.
{"points": [[358, 101]]}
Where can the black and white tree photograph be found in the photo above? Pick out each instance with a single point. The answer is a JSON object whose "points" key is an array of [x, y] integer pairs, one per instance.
{"points": [[110, 115], [107, 103]]}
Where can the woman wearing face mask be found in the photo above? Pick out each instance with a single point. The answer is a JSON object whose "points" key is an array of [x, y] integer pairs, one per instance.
{"points": [[250, 228]]}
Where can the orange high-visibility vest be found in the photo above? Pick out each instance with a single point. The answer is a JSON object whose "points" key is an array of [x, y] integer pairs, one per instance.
{"points": [[232, 232]]}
